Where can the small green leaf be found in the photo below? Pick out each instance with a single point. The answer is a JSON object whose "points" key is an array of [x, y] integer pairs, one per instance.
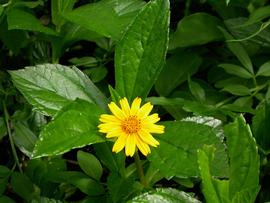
{"points": [[164, 195], [3, 128], [6, 199], [114, 162], [107, 17], [196, 90], [259, 14], [1, 9], [244, 157], [57, 8], [214, 190], [74, 126], [89, 164], [236, 70], [184, 139], [23, 186], [49, 87], [176, 71], [79, 180], [22, 20], [4, 171], [140, 55], [206, 31], [239, 90], [238, 50], [264, 69], [24, 138], [260, 126], [120, 188]]}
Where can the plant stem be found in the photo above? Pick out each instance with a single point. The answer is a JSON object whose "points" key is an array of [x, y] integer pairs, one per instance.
{"points": [[140, 169], [6, 115]]}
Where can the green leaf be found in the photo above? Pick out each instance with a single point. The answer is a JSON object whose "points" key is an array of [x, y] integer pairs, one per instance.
{"points": [[176, 71], [237, 49], [79, 180], [6, 199], [236, 70], [244, 158], [259, 14], [89, 164], [57, 8], [107, 17], [49, 87], [23, 186], [239, 90], [74, 126], [260, 126], [140, 55], [4, 171], [246, 196], [196, 90], [206, 31], [264, 69], [46, 200], [13, 39], [120, 188], [114, 162], [1, 9], [213, 189], [184, 139], [164, 195], [3, 128], [22, 20], [24, 138]]}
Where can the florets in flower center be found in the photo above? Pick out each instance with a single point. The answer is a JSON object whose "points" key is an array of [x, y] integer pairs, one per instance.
{"points": [[131, 125]]}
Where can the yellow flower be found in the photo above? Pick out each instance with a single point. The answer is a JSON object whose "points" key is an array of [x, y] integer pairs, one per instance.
{"points": [[132, 126]]}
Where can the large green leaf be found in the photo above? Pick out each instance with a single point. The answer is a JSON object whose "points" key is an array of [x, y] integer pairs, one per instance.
{"points": [[176, 71], [49, 87], [139, 56], [177, 153], [74, 126], [164, 195], [244, 158], [196, 29], [106, 17], [260, 126], [22, 20]]}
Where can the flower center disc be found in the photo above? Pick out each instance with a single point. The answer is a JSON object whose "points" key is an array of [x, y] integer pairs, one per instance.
{"points": [[131, 125]]}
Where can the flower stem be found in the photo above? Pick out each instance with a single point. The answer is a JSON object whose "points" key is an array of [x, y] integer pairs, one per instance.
{"points": [[13, 149], [140, 169]]}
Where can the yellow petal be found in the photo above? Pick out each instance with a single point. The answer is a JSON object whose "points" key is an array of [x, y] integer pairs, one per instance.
{"points": [[116, 111], [108, 118], [148, 138], [125, 106], [154, 128], [145, 110], [153, 118], [119, 144], [130, 145], [114, 133], [135, 106], [144, 148], [108, 127]]}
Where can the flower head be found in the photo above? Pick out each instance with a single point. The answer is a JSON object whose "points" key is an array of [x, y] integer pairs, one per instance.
{"points": [[132, 126]]}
